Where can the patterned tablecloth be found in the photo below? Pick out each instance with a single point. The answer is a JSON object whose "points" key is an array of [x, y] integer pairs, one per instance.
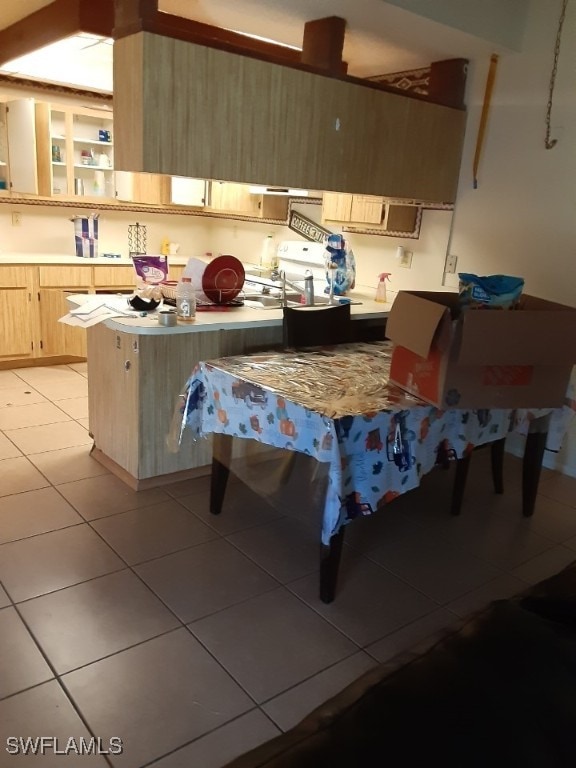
{"points": [[335, 404]]}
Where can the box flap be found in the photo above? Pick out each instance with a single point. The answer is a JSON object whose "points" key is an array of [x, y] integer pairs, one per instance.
{"points": [[518, 337], [414, 320]]}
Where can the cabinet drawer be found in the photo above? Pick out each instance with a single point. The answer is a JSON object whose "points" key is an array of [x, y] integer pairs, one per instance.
{"points": [[14, 277], [105, 276], [65, 276]]}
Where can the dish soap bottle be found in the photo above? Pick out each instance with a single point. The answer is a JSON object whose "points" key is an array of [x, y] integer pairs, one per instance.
{"points": [[267, 254], [185, 300], [381, 289]]}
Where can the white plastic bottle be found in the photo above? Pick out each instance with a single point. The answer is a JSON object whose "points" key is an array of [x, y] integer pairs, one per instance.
{"points": [[185, 300], [267, 256]]}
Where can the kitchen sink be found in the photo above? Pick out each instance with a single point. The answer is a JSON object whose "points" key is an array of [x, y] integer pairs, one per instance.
{"points": [[268, 301]]}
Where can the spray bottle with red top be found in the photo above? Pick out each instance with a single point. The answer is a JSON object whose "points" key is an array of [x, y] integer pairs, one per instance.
{"points": [[381, 289]]}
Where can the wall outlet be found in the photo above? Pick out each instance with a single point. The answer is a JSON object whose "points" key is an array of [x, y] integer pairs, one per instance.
{"points": [[450, 266], [406, 259], [16, 219]]}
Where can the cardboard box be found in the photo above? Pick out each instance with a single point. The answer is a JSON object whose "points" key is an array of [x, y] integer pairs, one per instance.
{"points": [[520, 358]]}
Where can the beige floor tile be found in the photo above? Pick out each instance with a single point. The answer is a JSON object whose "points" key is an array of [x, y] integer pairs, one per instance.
{"points": [[45, 373], [49, 437], [500, 588], [84, 423], [31, 416], [290, 707], [64, 389], [418, 632], [68, 464], [33, 512], [20, 395], [7, 448], [559, 487], [545, 565], [9, 380], [81, 368], [104, 495], [18, 475], [76, 407]]}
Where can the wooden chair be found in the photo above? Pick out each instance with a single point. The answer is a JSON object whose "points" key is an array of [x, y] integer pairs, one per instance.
{"points": [[317, 326]]}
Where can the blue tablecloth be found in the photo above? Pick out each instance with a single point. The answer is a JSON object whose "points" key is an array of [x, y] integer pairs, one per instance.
{"points": [[335, 404]]}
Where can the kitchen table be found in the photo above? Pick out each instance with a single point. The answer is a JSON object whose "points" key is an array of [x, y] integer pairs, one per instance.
{"points": [[336, 405]]}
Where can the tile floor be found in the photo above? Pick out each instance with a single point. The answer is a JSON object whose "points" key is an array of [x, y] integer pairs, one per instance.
{"points": [[194, 638]]}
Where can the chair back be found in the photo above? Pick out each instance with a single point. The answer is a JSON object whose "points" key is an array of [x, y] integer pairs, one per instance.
{"points": [[317, 326]]}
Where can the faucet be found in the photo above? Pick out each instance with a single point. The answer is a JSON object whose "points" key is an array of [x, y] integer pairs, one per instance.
{"points": [[308, 291]]}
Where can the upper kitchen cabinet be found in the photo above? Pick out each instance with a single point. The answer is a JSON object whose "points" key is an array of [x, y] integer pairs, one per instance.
{"points": [[21, 133], [363, 212], [272, 124], [74, 151]]}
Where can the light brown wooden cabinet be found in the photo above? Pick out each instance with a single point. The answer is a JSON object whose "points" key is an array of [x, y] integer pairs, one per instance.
{"points": [[17, 320], [34, 298], [371, 211], [310, 131], [362, 209]]}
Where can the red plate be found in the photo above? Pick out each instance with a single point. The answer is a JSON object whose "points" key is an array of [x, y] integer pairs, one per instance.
{"points": [[223, 279]]}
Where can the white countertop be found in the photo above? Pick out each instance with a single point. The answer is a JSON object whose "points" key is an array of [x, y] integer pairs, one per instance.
{"points": [[231, 317], [40, 259]]}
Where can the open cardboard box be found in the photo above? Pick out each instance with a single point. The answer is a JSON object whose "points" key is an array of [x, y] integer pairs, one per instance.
{"points": [[516, 358]]}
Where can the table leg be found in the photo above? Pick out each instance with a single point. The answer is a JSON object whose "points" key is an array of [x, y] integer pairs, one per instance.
{"points": [[497, 462], [329, 564], [531, 468], [221, 456], [462, 467]]}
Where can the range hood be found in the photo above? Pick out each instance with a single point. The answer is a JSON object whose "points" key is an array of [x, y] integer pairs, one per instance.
{"points": [[259, 190]]}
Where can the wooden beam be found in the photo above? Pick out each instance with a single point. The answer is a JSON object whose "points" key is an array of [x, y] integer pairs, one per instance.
{"points": [[54, 22], [134, 16], [447, 84], [323, 44]]}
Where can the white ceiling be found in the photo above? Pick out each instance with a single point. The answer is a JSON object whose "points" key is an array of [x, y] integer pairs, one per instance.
{"points": [[380, 36]]}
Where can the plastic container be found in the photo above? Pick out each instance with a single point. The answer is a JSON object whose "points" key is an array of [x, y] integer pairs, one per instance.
{"points": [[185, 301], [267, 256], [381, 288]]}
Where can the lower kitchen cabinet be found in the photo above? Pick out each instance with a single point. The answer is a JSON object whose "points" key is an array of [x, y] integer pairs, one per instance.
{"points": [[133, 388], [17, 320], [58, 339], [34, 298]]}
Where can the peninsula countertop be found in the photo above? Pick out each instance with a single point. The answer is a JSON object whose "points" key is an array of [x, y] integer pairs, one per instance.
{"points": [[229, 318]]}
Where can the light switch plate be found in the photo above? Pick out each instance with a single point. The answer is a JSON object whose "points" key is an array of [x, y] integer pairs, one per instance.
{"points": [[451, 262], [406, 259]]}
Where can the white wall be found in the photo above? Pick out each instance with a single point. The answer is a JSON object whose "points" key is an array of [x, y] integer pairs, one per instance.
{"points": [[48, 230], [521, 219]]}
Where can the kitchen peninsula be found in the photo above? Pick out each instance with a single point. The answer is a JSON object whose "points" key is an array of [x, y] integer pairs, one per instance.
{"points": [[137, 369]]}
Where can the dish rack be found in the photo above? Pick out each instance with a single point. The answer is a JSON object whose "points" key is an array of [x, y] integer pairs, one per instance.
{"points": [[169, 295]]}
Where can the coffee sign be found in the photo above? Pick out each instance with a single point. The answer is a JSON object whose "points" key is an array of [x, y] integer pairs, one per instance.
{"points": [[308, 228]]}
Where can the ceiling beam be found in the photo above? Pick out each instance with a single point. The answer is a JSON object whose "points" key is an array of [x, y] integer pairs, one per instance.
{"points": [[54, 22], [323, 44], [134, 16]]}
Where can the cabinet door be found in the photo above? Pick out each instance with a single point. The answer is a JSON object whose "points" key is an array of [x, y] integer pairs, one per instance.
{"points": [[16, 313], [21, 128], [65, 276], [274, 207], [367, 209], [114, 277], [336, 206], [185, 191], [4, 167], [150, 188], [93, 153], [59, 338], [234, 198], [401, 218]]}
